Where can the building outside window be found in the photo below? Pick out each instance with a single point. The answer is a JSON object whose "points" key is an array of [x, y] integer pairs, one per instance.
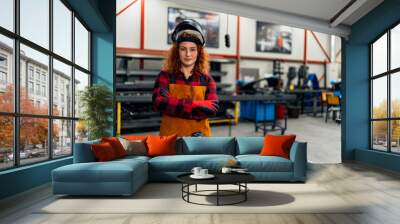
{"points": [[34, 79]]}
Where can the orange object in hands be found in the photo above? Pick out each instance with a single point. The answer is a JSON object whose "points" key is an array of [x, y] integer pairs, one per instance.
{"points": [[277, 145]]}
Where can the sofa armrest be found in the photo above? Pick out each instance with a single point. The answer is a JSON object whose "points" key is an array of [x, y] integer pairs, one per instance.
{"points": [[298, 155], [83, 152]]}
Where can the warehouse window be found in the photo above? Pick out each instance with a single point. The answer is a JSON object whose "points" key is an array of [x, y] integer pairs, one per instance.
{"points": [[385, 94], [36, 126]]}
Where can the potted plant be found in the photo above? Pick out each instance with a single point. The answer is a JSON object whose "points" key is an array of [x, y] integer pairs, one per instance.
{"points": [[96, 103]]}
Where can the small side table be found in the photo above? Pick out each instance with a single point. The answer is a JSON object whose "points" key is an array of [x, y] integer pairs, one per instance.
{"points": [[238, 179]]}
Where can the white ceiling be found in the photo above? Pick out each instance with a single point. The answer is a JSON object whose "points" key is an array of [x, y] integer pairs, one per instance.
{"points": [[317, 15], [321, 9]]}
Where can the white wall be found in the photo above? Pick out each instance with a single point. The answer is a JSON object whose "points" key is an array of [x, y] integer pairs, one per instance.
{"points": [[156, 13], [314, 51], [128, 25]]}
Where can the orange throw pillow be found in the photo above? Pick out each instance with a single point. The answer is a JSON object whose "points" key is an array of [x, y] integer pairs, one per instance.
{"points": [[277, 145], [116, 145], [103, 152], [161, 145]]}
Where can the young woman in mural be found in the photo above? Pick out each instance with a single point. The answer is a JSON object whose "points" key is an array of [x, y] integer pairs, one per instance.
{"points": [[184, 92]]}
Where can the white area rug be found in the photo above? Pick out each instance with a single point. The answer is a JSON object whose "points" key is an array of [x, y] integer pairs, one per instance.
{"points": [[166, 198]]}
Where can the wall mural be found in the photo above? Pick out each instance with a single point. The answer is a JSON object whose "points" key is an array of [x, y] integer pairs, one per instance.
{"points": [[273, 38], [209, 22]]}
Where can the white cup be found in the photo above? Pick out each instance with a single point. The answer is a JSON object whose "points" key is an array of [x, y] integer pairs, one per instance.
{"points": [[203, 172], [196, 170], [226, 170]]}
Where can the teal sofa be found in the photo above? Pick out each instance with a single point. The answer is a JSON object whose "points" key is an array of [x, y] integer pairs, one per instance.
{"points": [[125, 176]]}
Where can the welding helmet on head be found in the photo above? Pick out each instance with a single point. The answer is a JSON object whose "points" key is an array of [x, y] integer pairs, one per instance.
{"points": [[191, 27]]}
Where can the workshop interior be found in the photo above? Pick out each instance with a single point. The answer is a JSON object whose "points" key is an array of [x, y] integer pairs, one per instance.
{"points": [[136, 102]]}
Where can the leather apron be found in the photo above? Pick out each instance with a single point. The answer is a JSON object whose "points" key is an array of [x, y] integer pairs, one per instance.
{"points": [[181, 126]]}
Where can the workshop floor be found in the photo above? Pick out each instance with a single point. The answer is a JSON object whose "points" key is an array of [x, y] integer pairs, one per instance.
{"points": [[323, 139]]}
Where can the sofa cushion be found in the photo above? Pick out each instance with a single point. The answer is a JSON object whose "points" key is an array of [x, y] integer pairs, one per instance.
{"points": [[207, 145], [257, 163], [103, 152], [112, 171], [161, 145], [134, 147], [185, 163], [277, 145], [249, 145], [116, 145]]}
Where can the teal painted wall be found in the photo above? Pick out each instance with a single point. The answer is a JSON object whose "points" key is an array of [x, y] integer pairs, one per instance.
{"points": [[103, 53], [99, 15], [355, 127], [103, 62], [27, 177], [380, 159]]}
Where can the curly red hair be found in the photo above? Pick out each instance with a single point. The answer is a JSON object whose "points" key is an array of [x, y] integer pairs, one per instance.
{"points": [[172, 63]]}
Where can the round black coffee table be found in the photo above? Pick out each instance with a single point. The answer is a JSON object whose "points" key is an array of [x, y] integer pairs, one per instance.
{"points": [[238, 179]]}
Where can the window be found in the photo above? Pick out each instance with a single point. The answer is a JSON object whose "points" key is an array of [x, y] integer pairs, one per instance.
{"points": [[3, 78], [38, 89], [37, 74], [44, 77], [62, 29], [81, 81], [81, 45], [30, 87], [385, 94], [30, 73], [3, 72], [3, 61], [56, 127], [44, 91], [62, 140], [7, 14], [62, 74], [7, 142], [7, 88], [35, 22]]}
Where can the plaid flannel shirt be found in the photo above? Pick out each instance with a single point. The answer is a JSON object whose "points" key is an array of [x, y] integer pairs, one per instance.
{"points": [[184, 108]]}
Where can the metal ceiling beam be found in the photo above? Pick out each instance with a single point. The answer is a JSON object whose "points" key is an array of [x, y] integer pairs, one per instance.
{"points": [[346, 12], [268, 15]]}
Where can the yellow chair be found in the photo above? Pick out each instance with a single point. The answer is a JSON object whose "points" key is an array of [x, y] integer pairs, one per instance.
{"points": [[333, 105]]}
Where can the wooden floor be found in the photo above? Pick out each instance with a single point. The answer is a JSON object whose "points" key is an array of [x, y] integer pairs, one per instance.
{"points": [[377, 189]]}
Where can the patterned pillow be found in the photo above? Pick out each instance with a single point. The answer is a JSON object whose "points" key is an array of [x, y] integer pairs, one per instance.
{"points": [[134, 147]]}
